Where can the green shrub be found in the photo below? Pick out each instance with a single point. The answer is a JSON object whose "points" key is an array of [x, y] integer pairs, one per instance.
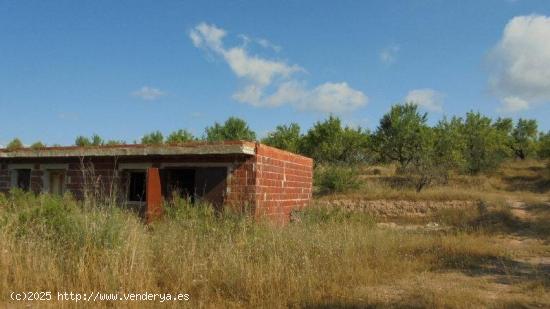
{"points": [[336, 178], [60, 221]]}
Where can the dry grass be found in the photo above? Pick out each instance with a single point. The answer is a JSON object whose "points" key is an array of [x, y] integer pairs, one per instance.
{"points": [[522, 180], [331, 258]]}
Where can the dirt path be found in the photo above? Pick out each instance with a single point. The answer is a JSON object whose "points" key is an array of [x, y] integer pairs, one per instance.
{"points": [[522, 278], [523, 243]]}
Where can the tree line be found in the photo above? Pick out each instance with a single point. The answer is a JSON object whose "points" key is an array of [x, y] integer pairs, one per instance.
{"points": [[471, 144]]}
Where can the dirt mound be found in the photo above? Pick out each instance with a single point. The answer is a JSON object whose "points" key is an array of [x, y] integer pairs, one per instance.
{"points": [[397, 208]]}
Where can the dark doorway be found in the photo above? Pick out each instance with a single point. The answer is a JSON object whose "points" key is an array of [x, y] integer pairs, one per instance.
{"points": [[181, 182], [136, 190], [211, 185], [24, 179]]}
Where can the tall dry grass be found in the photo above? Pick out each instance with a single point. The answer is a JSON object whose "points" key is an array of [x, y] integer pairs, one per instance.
{"points": [[331, 258]]}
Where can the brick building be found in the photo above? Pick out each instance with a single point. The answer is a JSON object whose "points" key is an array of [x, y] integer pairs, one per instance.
{"points": [[270, 181]]}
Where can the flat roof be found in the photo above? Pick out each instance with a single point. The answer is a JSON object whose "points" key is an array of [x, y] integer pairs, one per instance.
{"points": [[192, 148]]}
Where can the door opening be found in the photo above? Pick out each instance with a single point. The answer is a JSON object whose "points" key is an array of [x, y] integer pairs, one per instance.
{"points": [[57, 182], [182, 183]]}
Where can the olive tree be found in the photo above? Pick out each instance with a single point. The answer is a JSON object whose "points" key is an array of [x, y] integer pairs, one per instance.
{"points": [[401, 134], [329, 142], [485, 144]]}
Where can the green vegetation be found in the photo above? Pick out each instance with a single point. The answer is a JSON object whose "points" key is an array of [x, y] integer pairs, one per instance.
{"points": [[38, 145], [285, 137], [330, 142], [524, 138], [424, 155], [232, 129], [94, 140], [336, 178], [180, 136], [544, 145], [402, 135], [15, 144], [485, 145], [153, 138]]}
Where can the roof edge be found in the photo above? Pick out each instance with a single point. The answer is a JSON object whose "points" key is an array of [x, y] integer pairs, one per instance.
{"points": [[193, 148]]}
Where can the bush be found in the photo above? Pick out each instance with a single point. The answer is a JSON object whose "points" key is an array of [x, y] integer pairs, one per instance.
{"points": [[336, 178], [60, 221]]}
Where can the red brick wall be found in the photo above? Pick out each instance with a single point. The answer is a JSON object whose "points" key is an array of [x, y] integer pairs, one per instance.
{"points": [[273, 183], [241, 185], [283, 182]]}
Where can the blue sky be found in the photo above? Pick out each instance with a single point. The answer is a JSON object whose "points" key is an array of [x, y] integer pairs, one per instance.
{"points": [[124, 68]]}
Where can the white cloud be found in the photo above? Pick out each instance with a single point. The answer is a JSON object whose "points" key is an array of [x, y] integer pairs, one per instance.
{"points": [[258, 70], [260, 41], [389, 54], [148, 93], [272, 82], [520, 63], [427, 98], [267, 44], [207, 36], [513, 104], [335, 97]]}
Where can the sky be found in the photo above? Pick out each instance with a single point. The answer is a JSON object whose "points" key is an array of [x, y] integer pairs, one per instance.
{"points": [[125, 68]]}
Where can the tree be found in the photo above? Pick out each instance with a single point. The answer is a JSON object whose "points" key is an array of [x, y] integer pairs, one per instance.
{"points": [[400, 134], [439, 150], [329, 142], [153, 138], [15, 144], [180, 136], [544, 145], [448, 146], [355, 145], [505, 125], [423, 166], [285, 137], [94, 140], [485, 144], [524, 138], [233, 129], [82, 141], [38, 145]]}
